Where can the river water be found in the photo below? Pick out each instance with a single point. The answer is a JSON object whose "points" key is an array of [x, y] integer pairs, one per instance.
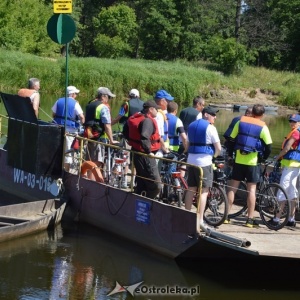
{"points": [[81, 262], [76, 261]]}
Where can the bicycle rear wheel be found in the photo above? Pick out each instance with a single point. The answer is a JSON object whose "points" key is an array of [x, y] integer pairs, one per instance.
{"points": [[216, 206], [270, 207], [239, 205]]}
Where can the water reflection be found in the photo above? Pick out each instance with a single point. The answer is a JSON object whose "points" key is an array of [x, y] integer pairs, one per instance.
{"points": [[81, 262]]}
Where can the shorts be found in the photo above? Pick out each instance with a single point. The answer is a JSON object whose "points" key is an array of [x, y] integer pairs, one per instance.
{"points": [[194, 174], [96, 152], [69, 141], [244, 172]]}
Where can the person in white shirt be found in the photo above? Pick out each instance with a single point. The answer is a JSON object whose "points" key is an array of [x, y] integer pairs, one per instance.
{"points": [[203, 145], [72, 120]]}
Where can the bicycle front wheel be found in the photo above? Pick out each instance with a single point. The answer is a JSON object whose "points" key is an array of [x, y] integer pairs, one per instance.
{"points": [[216, 206], [270, 207]]}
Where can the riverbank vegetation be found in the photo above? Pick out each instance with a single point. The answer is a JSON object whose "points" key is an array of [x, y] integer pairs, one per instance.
{"points": [[219, 49], [182, 79]]}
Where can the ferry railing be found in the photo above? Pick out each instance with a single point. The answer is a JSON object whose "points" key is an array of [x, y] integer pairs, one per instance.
{"points": [[80, 155]]}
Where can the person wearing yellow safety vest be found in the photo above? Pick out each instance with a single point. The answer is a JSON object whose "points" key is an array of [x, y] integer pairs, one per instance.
{"points": [[176, 131], [251, 140], [98, 124], [289, 157]]}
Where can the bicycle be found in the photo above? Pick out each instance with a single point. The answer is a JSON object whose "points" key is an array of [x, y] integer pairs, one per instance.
{"points": [[173, 183], [267, 203], [217, 204], [216, 210], [118, 169], [115, 164]]}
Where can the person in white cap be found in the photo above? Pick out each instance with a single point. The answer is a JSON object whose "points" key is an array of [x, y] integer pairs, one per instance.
{"points": [[129, 107], [72, 115], [32, 92], [98, 124]]}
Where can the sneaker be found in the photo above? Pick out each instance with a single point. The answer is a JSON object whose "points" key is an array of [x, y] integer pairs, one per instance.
{"points": [[273, 223], [227, 221], [291, 224], [251, 223]]}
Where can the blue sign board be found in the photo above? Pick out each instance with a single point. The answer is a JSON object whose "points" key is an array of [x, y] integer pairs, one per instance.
{"points": [[142, 211]]}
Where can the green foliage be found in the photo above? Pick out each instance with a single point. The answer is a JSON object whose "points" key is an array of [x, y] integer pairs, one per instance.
{"points": [[111, 47], [228, 54], [23, 27], [292, 98], [117, 29], [160, 30], [183, 79]]}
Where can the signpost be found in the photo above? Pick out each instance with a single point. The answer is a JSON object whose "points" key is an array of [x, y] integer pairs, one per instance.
{"points": [[61, 29]]}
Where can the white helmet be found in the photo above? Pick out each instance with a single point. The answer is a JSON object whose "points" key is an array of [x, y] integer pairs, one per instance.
{"points": [[134, 93]]}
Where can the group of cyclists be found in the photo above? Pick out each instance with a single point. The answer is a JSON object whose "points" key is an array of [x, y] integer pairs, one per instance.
{"points": [[153, 128]]}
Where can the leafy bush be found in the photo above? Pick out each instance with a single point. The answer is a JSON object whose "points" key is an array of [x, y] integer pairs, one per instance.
{"points": [[228, 54]]}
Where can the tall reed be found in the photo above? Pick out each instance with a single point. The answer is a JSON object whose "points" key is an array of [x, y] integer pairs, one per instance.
{"points": [[184, 80]]}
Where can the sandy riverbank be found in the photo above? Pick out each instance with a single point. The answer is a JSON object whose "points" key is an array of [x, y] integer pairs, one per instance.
{"points": [[245, 97]]}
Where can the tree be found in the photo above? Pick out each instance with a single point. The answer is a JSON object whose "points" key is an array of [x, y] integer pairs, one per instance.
{"points": [[286, 14], [117, 29], [228, 54], [260, 33], [25, 28], [160, 30]]}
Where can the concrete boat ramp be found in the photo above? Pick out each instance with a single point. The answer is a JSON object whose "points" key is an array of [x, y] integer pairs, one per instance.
{"points": [[284, 243]]}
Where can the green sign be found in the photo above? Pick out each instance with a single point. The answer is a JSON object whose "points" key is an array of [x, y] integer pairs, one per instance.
{"points": [[61, 28]]}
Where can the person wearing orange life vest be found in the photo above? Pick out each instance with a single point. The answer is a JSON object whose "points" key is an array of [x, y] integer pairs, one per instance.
{"points": [[289, 157], [144, 137], [32, 92], [251, 140]]}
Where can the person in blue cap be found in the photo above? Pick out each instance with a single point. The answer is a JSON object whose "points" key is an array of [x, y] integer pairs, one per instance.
{"points": [[161, 98]]}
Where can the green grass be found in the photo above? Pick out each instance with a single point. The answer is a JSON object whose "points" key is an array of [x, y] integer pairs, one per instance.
{"points": [[182, 79]]}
